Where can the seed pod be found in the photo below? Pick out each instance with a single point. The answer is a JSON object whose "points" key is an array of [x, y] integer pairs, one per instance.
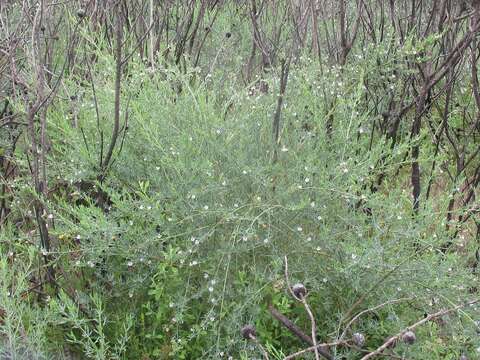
{"points": [[409, 337], [248, 332], [358, 339], [299, 291]]}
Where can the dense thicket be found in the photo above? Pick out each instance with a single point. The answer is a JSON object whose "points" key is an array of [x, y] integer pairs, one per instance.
{"points": [[162, 161]]}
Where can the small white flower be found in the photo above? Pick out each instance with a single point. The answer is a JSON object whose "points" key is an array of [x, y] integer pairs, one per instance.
{"points": [[210, 289], [284, 149], [307, 180], [354, 256], [205, 207], [299, 229], [312, 204], [265, 241], [50, 216], [319, 218], [90, 263], [205, 276], [309, 238], [244, 172], [171, 305], [235, 205], [130, 263], [259, 198]]}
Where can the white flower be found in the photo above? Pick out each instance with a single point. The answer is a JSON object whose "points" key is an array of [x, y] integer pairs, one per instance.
{"points": [[312, 204], [210, 289], [50, 216], [307, 180], [265, 241], [299, 229], [205, 207], [130, 263], [284, 149]]}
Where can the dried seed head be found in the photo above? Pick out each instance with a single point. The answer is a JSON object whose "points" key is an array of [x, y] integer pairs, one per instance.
{"points": [[228, 35], [81, 13], [299, 290], [409, 337], [358, 339], [248, 332]]}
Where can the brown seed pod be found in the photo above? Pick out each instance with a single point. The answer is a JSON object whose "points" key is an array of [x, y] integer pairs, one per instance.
{"points": [[249, 332], [409, 337], [299, 290]]}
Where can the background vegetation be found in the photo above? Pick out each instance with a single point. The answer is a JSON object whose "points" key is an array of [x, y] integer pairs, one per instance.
{"points": [[160, 161]]}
